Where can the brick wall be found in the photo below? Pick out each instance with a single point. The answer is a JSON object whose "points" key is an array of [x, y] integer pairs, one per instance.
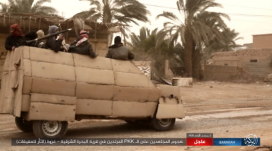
{"points": [[215, 72], [254, 61]]}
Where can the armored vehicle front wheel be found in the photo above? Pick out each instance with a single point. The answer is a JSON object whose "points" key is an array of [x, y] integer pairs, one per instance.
{"points": [[23, 125], [50, 129], [163, 124]]}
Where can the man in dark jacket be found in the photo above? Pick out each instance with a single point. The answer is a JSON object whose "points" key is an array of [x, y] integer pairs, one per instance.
{"points": [[119, 51], [53, 43], [15, 39], [31, 36], [82, 46]]}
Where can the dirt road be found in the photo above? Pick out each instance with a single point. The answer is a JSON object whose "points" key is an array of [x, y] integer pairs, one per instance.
{"points": [[224, 109]]}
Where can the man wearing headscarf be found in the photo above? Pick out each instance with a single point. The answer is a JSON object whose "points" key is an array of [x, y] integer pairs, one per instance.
{"points": [[15, 39], [41, 43], [82, 46], [119, 51], [31, 36], [53, 43], [40, 33]]}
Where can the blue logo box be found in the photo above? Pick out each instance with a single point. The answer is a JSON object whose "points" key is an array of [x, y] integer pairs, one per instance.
{"points": [[236, 142]]}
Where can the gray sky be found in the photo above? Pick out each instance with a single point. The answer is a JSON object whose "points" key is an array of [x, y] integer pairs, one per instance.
{"points": [[248, 17]]}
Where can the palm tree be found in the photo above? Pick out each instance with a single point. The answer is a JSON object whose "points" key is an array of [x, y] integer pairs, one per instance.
{"points": [[138, 41], [225, 44], [110, 11], [228, 43], [4, 7], [28, 6], [146, 42], [144, 45], [214, 26], [193, 31]]}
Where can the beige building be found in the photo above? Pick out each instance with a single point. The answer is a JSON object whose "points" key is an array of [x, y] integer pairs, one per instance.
{"points": [[260, 41], [255, 61]]}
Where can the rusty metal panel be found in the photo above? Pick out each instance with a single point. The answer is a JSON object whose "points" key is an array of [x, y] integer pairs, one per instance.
{"points": [[88, 62], [52, 71], [50, 56], [170, 111], [7, 101], [52, 86], [131, 94], [25, 103], [94, 107], [151, 108], [125, 66], [129, 109], [51, 112], [18, 93], [54, 99], [94, 76], [131, 80], [94, 91]]}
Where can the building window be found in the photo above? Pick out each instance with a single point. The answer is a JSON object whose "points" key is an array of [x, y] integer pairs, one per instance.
{"points": [[254, 60]]}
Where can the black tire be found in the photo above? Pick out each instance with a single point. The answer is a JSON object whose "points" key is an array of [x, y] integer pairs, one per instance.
{"points": [[23, 125], [163, 124], [50, 129]]}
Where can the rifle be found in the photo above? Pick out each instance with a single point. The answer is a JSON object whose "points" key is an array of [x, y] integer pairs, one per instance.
{"points": [[48, 36]]}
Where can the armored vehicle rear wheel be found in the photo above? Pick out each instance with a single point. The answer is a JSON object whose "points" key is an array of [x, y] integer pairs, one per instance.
{"points": [[50, 129], [23, 125], [163, 124]]}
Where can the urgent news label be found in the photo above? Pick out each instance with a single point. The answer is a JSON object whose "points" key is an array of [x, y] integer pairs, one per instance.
{"points": [[99, 142], [199, 139]]}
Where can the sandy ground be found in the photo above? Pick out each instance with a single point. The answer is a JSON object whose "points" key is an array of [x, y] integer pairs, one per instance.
{"points": [[224, 109]]}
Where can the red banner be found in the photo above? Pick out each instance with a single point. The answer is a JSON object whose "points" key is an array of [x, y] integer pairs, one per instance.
{"points": [[199, 141]]}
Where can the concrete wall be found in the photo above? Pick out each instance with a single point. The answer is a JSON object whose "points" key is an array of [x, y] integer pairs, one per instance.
{"points": [[254, 61], [215, 72], [226, 59], [262, 41]]}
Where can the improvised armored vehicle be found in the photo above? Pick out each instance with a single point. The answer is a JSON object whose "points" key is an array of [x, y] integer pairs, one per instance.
{"points": [[44, 90]]}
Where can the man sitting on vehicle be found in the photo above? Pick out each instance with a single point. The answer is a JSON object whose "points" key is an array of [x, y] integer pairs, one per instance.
{"points": [[82, 46], [15, 39], [53, 43], [40, 44], [119, 51], [31, 36]]}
